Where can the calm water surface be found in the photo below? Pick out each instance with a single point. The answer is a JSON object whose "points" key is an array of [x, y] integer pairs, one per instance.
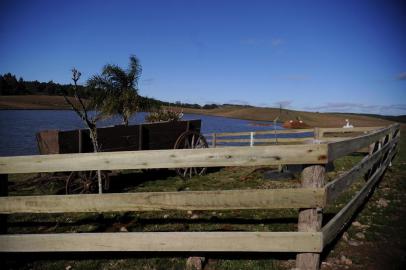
{"points": [[18, 127]]}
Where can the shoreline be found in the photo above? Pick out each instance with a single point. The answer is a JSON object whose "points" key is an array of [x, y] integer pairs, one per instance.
{"points": [[52, 103]]}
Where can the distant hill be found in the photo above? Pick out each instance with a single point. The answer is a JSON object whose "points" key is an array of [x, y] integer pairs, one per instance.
{"points": [[20, 94], [398, 118], [231, 111], [310, 118]]}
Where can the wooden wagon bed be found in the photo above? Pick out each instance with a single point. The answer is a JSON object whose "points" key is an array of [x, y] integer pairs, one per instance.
{"points": [[149, 136]]}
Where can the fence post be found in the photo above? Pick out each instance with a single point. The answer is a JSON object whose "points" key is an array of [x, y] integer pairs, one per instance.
{"points": [[251, 138], [312, 176], [3, 193], [214, 140], [317, 134]]}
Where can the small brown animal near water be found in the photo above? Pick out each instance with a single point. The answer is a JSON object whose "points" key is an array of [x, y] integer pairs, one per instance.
{"points": [[295, 124]]}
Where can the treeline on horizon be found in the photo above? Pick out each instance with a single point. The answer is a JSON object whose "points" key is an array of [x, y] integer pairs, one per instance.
{"points": [[11, 86]]}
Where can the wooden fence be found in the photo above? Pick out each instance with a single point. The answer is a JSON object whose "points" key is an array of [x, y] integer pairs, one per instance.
{"points": [[308, 241], [284, 136]]}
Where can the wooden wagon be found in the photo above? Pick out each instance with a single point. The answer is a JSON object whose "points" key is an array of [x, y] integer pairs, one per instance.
{"points": [[148, 136]]}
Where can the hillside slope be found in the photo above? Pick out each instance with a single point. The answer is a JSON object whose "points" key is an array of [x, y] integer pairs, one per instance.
{"points": [[311, 118], [38, 102], [33, 102]]}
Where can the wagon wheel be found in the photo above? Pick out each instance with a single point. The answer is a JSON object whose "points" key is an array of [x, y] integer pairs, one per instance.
{"points": [[86, 182], [190, 140]]}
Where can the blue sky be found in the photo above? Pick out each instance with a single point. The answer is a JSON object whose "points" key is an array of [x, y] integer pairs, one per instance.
{"points": [[347, 56]]}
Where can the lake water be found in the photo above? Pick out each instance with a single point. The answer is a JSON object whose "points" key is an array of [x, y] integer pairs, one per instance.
{"points": [[18, 127]]}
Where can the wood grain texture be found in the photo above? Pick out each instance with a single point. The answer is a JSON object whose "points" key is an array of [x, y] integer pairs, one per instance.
{"points": [[179, 158], [164, 241], [160, 201]]}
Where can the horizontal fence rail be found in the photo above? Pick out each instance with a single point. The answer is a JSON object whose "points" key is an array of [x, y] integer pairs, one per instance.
{"points": [[263, 132], [154, 159], [305, 136], [273, 137], [159, 201], [164, 241]]}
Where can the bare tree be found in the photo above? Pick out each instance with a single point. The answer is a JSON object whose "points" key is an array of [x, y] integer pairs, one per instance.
{"points": [[87, 110]]}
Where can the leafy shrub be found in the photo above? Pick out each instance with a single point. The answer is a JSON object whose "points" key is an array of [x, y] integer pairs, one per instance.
{"points": [[163, 115]]}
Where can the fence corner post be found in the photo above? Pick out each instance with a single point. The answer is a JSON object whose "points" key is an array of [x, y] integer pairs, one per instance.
{"points": [[310, 219]]}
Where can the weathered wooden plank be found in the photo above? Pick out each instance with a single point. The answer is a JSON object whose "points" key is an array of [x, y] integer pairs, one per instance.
{"points": [[310, 219], [335, 225], [342, 148], [334, 139], [178, 158], [159, 201], [164, 241], [339, 185]]}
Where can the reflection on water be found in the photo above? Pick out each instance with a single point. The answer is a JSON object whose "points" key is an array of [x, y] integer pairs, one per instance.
{"points": [[18, 127]]}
